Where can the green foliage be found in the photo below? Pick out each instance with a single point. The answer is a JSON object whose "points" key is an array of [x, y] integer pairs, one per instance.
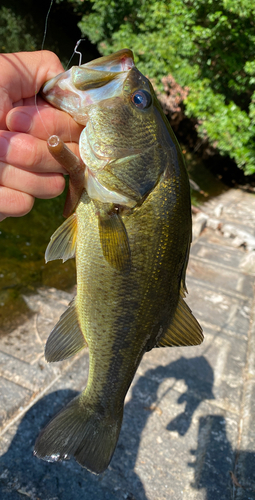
{"points": [[22, 26], [13, 32], [206, 45]]}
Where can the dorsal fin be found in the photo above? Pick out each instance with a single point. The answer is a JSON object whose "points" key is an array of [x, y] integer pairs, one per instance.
{"points": [[62, 244], [66, 338], [184, 329]]}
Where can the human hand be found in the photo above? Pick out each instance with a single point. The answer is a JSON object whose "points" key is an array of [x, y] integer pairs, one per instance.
{"points": [[27, 170]]}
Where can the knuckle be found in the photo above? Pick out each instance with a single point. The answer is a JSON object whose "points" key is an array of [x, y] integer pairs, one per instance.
{"points": [[15, 203], [56, 186]]}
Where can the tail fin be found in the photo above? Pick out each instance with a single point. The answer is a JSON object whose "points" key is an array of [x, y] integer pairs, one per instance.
{"points": [[90, 436]]}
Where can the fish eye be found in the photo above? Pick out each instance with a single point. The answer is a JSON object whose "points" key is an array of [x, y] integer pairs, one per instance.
{"points": [[141, 99]]}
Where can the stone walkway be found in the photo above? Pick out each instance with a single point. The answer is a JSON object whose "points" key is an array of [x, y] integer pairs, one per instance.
{"points": [[189, 428]]}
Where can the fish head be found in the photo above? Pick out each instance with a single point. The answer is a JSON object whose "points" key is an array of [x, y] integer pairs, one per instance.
{"points": [[127, 143], [109, 91]]}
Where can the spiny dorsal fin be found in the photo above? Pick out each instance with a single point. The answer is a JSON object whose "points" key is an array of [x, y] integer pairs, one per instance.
{"points": [[184, 329], [66, 338], [114, 241], [62, 244]]}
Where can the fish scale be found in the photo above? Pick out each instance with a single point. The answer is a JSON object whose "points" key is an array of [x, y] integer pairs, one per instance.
{"points": [[146, 288], [131, 254]]}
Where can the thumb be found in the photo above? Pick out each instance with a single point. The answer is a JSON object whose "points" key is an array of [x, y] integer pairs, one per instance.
{"points": [[22, 75]]}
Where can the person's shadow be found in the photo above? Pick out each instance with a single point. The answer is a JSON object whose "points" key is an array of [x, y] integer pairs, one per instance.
{"points": [[217, 466], [21, 473]]}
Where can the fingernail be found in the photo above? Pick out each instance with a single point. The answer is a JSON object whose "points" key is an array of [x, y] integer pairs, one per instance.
{"points": [[4, 144], [19, 122]]}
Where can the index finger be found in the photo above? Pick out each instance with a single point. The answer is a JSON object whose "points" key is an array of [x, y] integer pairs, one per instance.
{"points": [[44, 121], [22, 75]]}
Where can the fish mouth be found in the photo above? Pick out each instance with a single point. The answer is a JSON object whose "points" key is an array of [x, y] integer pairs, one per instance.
{"points": [[81, 86]]}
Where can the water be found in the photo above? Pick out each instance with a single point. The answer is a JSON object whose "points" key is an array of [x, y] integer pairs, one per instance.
{"points": [[22, 267], [208, 183]]}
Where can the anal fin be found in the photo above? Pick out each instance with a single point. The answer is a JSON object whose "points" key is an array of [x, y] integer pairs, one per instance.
{"points": [[66, 338], [184, 329], [62, 244]]}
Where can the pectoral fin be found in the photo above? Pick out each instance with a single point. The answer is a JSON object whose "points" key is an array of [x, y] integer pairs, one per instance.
{"points": [[114, 241], [62, 244], [184, 329], [66, 338]]}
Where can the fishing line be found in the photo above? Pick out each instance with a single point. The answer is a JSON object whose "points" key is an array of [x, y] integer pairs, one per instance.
{"points": [[80, 61], [42, 46], [76, 52], [46, 24]]}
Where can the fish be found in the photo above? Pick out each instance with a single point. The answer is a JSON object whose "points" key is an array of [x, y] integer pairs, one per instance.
{"points": [[128, 225]]}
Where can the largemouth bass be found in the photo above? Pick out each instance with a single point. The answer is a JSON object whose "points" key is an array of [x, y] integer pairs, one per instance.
{"points": [[129, 227]]}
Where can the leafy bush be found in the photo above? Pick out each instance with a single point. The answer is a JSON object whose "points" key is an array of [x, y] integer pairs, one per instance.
{"points": [[206, 45], [13, 32], [22, 26]]}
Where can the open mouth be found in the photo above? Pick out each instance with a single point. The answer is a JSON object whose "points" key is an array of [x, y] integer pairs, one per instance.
{"points": [[123, 60], [82, 86], [74, 91]]}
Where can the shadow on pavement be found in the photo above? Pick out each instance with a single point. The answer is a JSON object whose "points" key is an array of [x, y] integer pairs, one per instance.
{"points": [[21, 473], [198, 377], [215, 469]]}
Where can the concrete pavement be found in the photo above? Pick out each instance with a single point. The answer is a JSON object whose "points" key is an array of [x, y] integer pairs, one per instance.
{"points": [[189, 427]]}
